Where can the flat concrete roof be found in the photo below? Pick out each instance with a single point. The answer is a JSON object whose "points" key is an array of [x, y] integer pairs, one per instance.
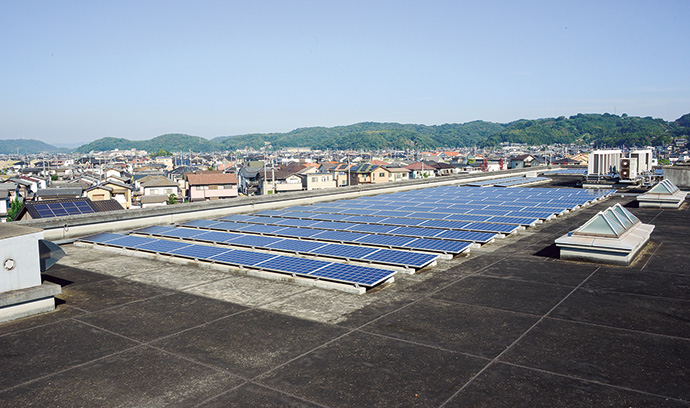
{"points": [[10, 230], [510, 325]]}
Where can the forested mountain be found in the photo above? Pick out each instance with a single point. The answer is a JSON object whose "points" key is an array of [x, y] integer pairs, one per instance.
{"points": [[28, 146], [602, 130]]}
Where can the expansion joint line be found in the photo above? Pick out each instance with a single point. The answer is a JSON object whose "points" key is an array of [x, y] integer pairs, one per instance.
{"points": [[495, 359]]}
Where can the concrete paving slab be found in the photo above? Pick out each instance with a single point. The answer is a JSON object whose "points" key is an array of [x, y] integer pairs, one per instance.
{"points": [[250, 343], [508, 386], [636, 312], [108, 293], [507, 294], [65, 276], [178, 277], [365, 370], [256, 396], [463, 328], [554, 272], [247, 290], [34, 353], [619, 357], [668, 285], [160, 316], [118, 381], [318, 305]]}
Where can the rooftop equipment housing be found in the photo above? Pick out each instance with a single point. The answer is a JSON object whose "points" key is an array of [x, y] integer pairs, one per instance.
{"points": [[663, 195], [613, 236]]}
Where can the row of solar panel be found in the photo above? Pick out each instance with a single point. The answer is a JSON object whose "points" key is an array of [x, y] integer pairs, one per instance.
{"points": [[495, 181], [526, 180], [579, 172], [456, 210], [435, 219], [380, 225], [557, 207], [311, 268], [445, 246], [452, 190], [62, 209], [304, 219], [405, 259]]}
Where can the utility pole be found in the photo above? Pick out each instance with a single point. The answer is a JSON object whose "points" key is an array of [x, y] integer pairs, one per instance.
{"points": [[273, 174]]}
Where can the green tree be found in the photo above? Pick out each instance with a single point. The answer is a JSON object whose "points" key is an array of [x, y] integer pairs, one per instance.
{"points": [[54, 177], [172, 199], [15, 206], [161, 152]]}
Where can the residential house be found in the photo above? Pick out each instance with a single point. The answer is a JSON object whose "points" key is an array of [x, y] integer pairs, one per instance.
{"points": [[282, 180], [370, 174], [317, 181], [99, 193], [121, 192], [211, 185], [420, 170], [398, 173], [525, 161]]}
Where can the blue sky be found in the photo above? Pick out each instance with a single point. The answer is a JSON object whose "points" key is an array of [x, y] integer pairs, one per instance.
{"points": [[76, 71]]}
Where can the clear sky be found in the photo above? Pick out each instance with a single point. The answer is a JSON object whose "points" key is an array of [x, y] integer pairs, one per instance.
{"points": [[76, 71]]}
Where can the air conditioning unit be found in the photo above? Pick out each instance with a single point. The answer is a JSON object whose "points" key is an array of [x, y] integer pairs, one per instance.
{"points": [[628, 168]]}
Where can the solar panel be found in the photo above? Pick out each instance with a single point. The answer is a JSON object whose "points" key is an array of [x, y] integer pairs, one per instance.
{"points": [[394, 257], [183, 233], [386, 240], [416, 232], [261, 229], [199, 251], [470, 236], [156, 229], [100, 238], [346, 251], [364, 219], [291, 264], [239, 257], [402, 221], [201, 223], [439, 245], [163, 246], [299, 232], [339, 236], [253, 240], [216, 236], [487, 227], [331, 225], [372, 228], [296, 245], [360, 275], [294, 222], [130, 241]]}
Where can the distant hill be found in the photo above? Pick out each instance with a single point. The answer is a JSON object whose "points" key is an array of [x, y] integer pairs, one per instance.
{"points": [[27, 146], [599, 129]]}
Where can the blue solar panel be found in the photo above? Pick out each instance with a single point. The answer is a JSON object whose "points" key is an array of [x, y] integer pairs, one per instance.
{"points": [[514, 220], [331, 225], [444, 224], [470, 236], [339, 236], [156, 229], [372, 228], [439, 245], [238, 218], [270, 213], [100, 238], [365, 219], [291, 264], [300, 232], [486, 227], [389, 213], [130, 241], [416, 232], [217, 236], [239, 257], [391, 256], [360, 275], [262, 229], [402, 221], [296, 245], [346, 251], [183, 232], [294, 222], [254, 240], [330, 217], [386, 240], [199, 251], [163, 246], [201, 223]]}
